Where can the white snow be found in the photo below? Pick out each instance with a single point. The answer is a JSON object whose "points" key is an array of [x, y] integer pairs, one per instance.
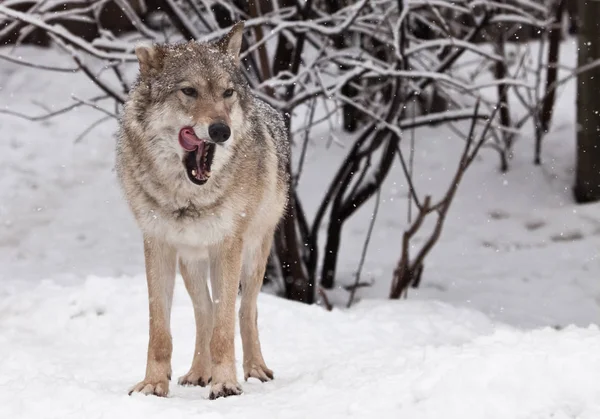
{"points": [[476, 340], [73, 352]]}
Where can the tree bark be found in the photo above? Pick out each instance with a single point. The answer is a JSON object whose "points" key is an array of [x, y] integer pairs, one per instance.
{"points": [[587, 172], [554, 38], [298, 286]]}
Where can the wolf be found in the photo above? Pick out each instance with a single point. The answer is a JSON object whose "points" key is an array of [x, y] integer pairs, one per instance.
{"points": [[203, 164]]}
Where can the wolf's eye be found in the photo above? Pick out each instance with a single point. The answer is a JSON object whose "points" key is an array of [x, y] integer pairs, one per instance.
{"points": [[228, 93], [190, 91]]}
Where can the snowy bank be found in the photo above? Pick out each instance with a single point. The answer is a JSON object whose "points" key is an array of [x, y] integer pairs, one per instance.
{"points": [[73, 352]]}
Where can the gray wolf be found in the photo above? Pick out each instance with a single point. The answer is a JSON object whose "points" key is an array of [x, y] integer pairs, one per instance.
{"points": [[202, 164]]}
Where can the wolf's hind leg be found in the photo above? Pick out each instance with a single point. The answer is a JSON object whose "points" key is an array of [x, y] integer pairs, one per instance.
{"points": [[253, 272], [161, 260], [195, 277]]}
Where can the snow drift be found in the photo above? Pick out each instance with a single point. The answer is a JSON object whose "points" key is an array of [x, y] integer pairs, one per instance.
{"points": [[73, 352]]}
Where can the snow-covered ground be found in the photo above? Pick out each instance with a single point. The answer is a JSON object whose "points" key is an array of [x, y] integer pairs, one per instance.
{"points": [[73, 351], [477, 340]]}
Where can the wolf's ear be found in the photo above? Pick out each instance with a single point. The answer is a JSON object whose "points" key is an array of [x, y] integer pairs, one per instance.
{"points": [[148, 56], [232, 42]]}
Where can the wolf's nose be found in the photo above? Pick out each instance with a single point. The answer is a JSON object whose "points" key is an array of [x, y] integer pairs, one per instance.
{"points": [[219, 132]]}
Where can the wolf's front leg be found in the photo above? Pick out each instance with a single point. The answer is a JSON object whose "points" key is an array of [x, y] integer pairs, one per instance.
{"points": [[253, 272], [225, 278], [160, 273], [195, 277]]}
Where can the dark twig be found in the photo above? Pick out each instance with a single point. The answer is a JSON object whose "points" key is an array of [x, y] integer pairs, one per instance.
{"points": [[53, 113], [91, 128], [37, 66], [326, 303], [409, 178], [365, 248], [311, 114]]}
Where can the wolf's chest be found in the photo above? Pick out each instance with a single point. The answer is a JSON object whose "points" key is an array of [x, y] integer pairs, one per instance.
{"points": [[188, 226]]}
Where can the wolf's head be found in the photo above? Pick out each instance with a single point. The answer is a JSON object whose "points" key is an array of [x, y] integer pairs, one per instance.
{"points": [[190, 101]]}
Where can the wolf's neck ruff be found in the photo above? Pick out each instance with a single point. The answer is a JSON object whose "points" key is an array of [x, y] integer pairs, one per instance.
{"points": [[199, 155]]}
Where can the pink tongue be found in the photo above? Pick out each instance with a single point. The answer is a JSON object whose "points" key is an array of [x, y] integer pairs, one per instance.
{"points": [[189, 141]]}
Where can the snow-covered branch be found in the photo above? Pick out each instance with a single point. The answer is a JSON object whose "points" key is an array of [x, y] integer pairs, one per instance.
{"points": [[362, 60]]}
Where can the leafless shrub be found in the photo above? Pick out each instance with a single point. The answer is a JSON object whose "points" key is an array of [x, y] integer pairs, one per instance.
{"points": [[366, 60], [540, 75], [409, 270]]}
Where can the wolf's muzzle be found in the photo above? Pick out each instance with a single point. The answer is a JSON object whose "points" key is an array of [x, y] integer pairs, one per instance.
{"points": [[219, 132]]}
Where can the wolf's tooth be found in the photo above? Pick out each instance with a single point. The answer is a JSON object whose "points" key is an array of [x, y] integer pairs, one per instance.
{"points": [[194, 172]]}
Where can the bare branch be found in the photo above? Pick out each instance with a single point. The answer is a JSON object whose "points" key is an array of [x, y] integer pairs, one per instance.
{"points": [[52, 114], [61, 33], [92, 127], [19, 60], [364, 250]]}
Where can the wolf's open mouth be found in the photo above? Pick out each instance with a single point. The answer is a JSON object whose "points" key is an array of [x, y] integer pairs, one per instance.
{"points": [[198, 157]]}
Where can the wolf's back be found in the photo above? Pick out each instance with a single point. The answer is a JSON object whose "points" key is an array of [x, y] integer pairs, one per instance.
{"points": [[275, 125]]}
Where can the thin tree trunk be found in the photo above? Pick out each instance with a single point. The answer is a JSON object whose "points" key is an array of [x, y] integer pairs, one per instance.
{"points": [[554, 38], [297, 284], [500, 73], [587, 173]]}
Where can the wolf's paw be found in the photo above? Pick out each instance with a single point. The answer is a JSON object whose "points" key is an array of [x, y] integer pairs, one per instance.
{"points": [[194, 378], [157, 388], [259, 371], [225, 390]]}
